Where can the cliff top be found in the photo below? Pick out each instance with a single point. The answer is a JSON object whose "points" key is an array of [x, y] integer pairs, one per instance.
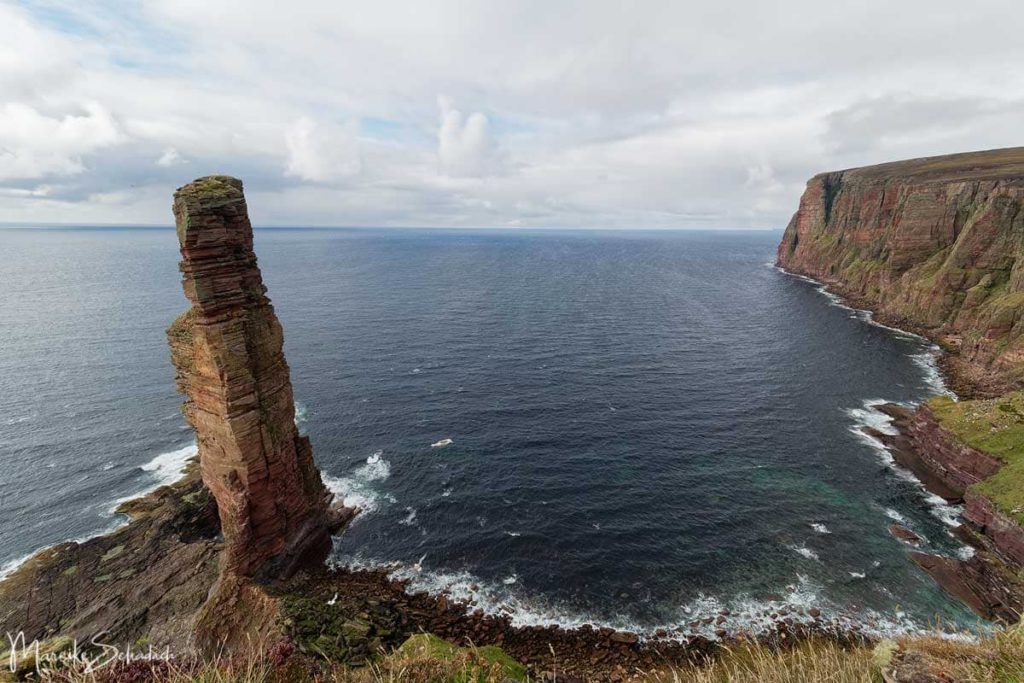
{"points": [[994, 164]]}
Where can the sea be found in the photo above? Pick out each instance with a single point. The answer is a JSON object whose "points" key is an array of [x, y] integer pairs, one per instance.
{"points": [[638, 429]]}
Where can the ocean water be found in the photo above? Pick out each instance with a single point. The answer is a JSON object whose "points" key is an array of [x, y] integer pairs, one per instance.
{"points": [[629, 428]]}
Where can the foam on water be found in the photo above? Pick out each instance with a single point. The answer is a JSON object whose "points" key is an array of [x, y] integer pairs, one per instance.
{"points": [[410, 517], [870, 416], [820, 528], [742, 613], [357, 490], [301, 414], [10, 567], [895, 516], [805, 552], [168, 467], [928, 361]]}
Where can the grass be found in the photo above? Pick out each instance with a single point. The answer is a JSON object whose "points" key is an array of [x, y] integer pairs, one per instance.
{"points": [[995, 426], [810, 662], [426, 658]]}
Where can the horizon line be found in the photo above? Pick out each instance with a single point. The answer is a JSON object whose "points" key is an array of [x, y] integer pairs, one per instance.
{"points": [[170, 226]]}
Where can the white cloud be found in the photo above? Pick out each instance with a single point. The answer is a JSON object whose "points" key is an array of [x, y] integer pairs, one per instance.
{"points": [[170, 157], [465, 147], [321, 153], [34, 145], [648, 114]]}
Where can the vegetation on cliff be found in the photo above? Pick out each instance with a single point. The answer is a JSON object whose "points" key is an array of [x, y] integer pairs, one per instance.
{"points": [[995, 426], [936, 245]]}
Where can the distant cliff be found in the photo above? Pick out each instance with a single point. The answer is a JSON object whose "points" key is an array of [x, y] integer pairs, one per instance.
{"points": [[934, 244]]}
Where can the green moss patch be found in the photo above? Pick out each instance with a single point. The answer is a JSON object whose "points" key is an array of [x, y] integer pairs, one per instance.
{"points": [[467, 665], [995, 426]]}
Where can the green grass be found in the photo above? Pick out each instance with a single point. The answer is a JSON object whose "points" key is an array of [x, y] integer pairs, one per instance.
{"points": [[995, 426]]}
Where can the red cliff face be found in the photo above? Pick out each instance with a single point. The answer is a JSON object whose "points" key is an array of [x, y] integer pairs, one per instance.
{"points": [[935, 244], [227, 349], [958, 465]]}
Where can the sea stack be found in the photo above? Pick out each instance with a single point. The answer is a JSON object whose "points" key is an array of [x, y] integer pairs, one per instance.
{"points": [[228, 353], [227, 349]]}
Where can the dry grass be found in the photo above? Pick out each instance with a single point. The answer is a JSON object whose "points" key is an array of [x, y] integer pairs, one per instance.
{"points": [[810, 662], [426, 659], [998, 659]]}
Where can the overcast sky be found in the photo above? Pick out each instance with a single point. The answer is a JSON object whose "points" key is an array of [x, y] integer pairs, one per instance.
{"points": [[503, 113]]}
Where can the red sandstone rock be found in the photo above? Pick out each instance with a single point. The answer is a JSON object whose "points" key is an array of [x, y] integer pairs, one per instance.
{"points": [[228, 352], [906, 535], [957, 464], [1005, 533], [931, 244]]}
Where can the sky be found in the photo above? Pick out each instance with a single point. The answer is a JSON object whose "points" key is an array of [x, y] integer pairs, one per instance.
{"points": [[548, 113]]}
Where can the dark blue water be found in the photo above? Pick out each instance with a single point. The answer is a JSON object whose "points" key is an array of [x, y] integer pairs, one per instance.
{"points": [[645, 427]]}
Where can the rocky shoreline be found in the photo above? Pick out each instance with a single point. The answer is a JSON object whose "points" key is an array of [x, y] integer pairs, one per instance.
{"points": [[143, 585], [929, 246], [988, 581]]}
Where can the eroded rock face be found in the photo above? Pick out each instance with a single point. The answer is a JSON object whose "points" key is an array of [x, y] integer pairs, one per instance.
{"points": [[957, 464], [227, 349], [933, 244]]}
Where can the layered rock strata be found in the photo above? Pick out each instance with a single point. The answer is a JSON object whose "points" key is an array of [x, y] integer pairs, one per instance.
{"points": [[935, 245], [228, 353]]}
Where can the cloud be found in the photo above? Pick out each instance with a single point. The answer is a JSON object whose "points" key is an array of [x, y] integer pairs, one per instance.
{"points": [[465, 147], [34, 145], [901, 120], [321, 153], [574, 113], [170, 157]]}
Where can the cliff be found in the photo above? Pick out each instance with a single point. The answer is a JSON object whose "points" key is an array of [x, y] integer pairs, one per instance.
{"points": [[935, 245]]}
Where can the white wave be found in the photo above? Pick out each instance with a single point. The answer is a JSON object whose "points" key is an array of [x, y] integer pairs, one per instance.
{"points": [[949, 514], [356, 490], [442, 443], [301, 414], [965, 552], [857, 575], [745, 614], [870, 416], [410, 517], [895, 516], [446, 493], [820, 528], [928, 361], [164, 470], [514, 534], [10, 567], [805, 552], [168, 467]]}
